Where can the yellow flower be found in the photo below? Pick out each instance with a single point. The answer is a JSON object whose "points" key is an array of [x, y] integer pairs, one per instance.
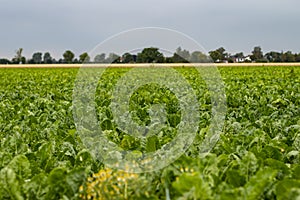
{"points": [[107, 183]]}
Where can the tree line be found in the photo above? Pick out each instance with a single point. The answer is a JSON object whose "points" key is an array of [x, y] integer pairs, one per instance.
{"points": [[153, 55]]}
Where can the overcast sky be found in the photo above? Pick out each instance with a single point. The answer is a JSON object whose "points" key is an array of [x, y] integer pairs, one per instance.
{"points": [[79, 25]]}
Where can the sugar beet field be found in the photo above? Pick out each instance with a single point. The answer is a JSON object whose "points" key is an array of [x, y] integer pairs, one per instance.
{"points": [[256, 157]]}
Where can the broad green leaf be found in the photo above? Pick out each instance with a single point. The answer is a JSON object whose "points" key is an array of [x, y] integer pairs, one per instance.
{"points": [[259, 183], [10, 187], [192, 186], [37, 187], [288, 189], [21, 166]]}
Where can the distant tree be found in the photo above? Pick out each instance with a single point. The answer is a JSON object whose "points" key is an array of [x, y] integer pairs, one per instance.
{"points": [[84, 58], [150, 55], [297, 57], [289, 57], [127, 58], [30, 61], [183, 54], [218, 55], [60, 61], [75, 61], [171, 60], [47, 59], [176, 58], [100, 58], [257, 54], [18, 59], [274, 56], [37, 58], [68, 56], [19, 54], [199, 57], [230, 59], [4, 61], [113, 58], [239, 55], [180, 56]]}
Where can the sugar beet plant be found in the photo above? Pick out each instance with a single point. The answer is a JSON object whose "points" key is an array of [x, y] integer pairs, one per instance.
{"points": [[257, 156]]}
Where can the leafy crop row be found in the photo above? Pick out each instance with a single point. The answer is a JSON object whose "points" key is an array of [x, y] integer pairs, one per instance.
{"points": [[257, 156]]}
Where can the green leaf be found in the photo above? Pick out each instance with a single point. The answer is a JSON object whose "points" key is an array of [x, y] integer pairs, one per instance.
{"points": [[288, 190], [57, 183], [192, 186], [74, 179], [152, 144], [129, 142], [296, 172], [249, 164], [37, 187], [235, 178], [283, 170], [10, 187], [21, 166], [5, 158], [84, 158], [259, 183], [231, 194], [44, 156]]}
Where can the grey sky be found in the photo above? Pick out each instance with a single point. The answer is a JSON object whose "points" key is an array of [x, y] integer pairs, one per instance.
{"points": [[78, 25]]}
